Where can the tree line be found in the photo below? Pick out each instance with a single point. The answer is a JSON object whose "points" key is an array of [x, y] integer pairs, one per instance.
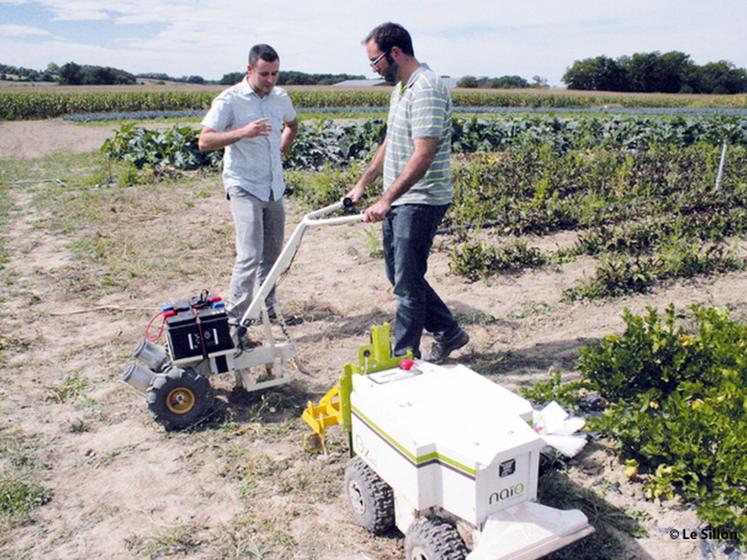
{"points": [[670, 72], [294, 78], [503, 82], [76, 74], [20, 73]]}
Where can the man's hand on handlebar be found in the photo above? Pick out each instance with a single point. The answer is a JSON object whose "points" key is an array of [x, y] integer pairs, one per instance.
{"points": [[377, 211], [356, 193], [374, 213]]}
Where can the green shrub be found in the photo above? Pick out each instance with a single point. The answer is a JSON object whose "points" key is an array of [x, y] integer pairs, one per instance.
{"points": [[172, 147], [565, 394], [473, 260], [315, 190], [679, 406]]}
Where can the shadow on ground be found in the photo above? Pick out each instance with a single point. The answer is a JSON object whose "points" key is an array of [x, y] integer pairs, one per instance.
{"points": [[612, 524], [347, 327], [561, 354], [270, 406]]}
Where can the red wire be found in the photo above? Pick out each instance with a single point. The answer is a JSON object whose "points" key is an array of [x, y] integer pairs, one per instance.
{"points": [[160, 331]]}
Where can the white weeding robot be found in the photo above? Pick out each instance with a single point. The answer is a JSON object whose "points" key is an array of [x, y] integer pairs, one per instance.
{"points": [[447, 456], [443, 454], [175, 379]]}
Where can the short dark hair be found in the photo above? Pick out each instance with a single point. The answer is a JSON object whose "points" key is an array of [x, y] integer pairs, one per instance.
{"points": [[265, 52], [388, 35]]}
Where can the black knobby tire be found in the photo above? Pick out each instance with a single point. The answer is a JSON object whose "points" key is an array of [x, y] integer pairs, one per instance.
{"points": [[178, 398], [371, 499], [433, 539]]}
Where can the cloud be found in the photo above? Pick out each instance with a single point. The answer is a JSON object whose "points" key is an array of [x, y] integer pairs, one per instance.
{"points": [[22, 31], [542, 37]]}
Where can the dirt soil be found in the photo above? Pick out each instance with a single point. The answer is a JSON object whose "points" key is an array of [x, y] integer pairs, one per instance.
{"points": [[33, 139], [240, 485]]}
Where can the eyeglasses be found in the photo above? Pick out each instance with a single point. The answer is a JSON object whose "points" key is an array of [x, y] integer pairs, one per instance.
{"points": [[376, 60]]}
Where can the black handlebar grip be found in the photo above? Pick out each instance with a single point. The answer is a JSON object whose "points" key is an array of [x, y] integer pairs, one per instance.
{"points": [[347, 202]]}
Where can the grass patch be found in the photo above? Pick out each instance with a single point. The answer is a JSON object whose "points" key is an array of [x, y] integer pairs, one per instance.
{"points": [[21, 493], [19, 498], [178, 540], [72, 386], [112, 214]]}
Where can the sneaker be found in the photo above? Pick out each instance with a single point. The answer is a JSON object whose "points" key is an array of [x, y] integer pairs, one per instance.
{"points": [[289, 320], [443, 347]]}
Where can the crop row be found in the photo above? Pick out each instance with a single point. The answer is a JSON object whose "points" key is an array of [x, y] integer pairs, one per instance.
{"points": [[331, 111], [538, 191], [651, 216], [39, 105], [323, 143]]}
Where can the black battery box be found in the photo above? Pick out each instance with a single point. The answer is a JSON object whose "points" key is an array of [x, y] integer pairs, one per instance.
{"points": [[197, 328]]}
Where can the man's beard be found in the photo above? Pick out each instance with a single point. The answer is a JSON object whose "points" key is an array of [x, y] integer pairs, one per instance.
{"points": [[390, 75]]}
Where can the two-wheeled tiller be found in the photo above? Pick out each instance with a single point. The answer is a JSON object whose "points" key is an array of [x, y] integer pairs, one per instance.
{"points": [[199, 342]]}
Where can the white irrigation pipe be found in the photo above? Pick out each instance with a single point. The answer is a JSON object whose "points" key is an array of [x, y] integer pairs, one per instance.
{"points": [[721, 166]]}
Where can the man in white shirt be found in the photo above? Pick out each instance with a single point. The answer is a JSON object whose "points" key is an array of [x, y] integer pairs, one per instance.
{"points": [[256, 123]]}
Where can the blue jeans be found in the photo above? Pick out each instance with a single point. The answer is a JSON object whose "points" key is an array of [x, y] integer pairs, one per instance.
{"points": [[408, 236]]}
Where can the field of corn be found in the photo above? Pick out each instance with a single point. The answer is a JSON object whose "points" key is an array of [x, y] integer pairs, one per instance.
{"points": [[48, 103]]}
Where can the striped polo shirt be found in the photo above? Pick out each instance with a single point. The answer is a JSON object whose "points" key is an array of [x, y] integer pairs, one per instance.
{"points": [[420, 109]]}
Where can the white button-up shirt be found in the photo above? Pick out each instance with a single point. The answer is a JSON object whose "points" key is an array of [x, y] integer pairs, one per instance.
{"points": [[253, 164]]}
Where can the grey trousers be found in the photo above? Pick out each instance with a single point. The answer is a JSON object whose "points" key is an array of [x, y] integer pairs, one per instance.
{"points": [[259, 240]]}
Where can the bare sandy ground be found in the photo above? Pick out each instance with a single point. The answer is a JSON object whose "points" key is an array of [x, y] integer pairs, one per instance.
{"points": [[121, 482], [30, 139]]}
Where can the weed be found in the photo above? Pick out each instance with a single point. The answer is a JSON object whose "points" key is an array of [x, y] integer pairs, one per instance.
{"points": [[129, 176], [474, 261], [374, 243], [20, 497], [477, 318], [20, 491], [71, 387], [177, 540], [79, 426], [12, 344], [531, 308]]}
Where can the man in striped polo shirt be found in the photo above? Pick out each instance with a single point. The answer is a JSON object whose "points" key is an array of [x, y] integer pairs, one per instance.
{"points": [[415, 161]]}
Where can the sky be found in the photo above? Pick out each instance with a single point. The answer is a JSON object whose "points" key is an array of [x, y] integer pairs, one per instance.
{"points": [[456, 38]]}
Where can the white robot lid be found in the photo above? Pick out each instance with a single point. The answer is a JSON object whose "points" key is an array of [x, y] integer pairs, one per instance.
{"points": [[450, 411]]}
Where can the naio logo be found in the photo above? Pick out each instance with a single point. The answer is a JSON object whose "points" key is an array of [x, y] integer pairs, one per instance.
{"points": [[507, 493]]}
